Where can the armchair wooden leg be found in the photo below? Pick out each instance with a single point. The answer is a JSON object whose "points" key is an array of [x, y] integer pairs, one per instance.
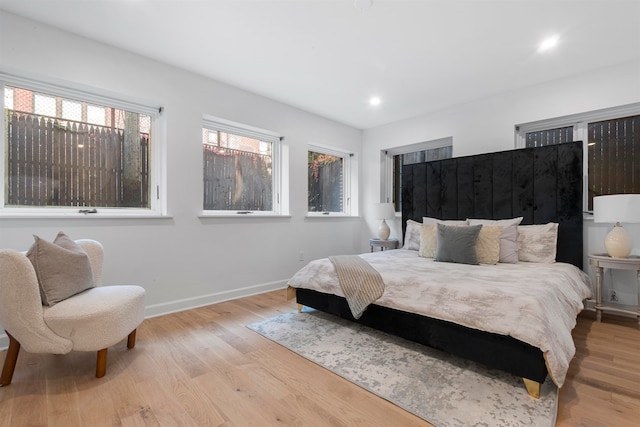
{"points": [[101, 364], [9, 361], [131, 339]]}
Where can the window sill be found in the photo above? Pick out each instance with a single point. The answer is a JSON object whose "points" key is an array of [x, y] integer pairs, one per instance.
{"points": [[236, 215], [75, 215], [334, 216]]}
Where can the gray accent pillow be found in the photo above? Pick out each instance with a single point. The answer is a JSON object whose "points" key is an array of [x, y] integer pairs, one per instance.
{"points": [[457, 244], [63, 268]]}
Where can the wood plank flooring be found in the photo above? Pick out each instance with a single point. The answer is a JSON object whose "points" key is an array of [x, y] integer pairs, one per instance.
{"points": [[203, 367]]}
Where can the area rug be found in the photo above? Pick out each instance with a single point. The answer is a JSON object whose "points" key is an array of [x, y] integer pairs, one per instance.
{"points": [[442, 389]]}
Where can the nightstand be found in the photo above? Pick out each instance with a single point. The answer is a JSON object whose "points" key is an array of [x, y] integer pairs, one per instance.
{"points": [[602, 261], [383, 244]]}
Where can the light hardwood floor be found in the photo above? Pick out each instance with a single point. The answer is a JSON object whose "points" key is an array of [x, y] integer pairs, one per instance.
{"points": [[203, 367]]}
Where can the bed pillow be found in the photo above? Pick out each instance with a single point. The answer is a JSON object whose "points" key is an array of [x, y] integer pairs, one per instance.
{"points": [[488, 244], [537, 243], [457, 244], [62, 267], [428, 241], [412, 235], [508, 238], [433, 221]]}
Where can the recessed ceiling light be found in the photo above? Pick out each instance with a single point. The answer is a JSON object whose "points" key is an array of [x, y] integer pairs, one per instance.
{"points": [[548, 43], [362, 5], [375, 101]]}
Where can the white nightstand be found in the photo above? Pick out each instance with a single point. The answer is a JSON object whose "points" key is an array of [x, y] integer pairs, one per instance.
{"points": [[383, 244], [602, 261]]}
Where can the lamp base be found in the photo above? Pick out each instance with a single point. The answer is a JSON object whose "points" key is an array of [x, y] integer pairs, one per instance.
{"points": [[384, 231], [618, 242]]}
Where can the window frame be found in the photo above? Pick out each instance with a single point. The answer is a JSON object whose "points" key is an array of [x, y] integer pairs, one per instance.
{"points": [[580, 123], [279, 158], [99, 97], [387, 164], [348, 181]]}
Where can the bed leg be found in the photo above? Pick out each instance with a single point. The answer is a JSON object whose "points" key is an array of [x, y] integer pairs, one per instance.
{"points": [[533, 388], [300, 308]]}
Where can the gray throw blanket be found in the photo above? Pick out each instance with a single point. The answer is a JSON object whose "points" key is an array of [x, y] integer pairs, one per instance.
{"points": [[361, 283]]}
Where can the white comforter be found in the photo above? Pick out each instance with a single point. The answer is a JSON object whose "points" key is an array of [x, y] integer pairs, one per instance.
{"points": [[534, 303]]}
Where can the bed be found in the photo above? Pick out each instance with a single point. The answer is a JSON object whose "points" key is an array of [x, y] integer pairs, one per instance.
{"points": [[542, 186]]}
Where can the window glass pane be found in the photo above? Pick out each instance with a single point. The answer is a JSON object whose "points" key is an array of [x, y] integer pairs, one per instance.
{"points": [[614, 157], [8, 97], [549, 137], [326, 182], [238, 172], [411, 158], [52, 162], [96, 115], [44, 105], [71, 110]]}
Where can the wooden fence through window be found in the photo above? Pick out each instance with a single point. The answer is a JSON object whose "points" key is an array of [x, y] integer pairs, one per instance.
{"points": [[54, 162], [326, 188], [236, 180]]}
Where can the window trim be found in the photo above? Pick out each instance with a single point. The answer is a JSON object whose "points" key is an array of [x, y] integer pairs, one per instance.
{"points": [[95, 96], [279, 157], [580, 123], [386, 164], [347, 183]]}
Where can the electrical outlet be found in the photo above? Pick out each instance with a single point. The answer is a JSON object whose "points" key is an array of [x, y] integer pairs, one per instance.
{"points": [[300, 256]]}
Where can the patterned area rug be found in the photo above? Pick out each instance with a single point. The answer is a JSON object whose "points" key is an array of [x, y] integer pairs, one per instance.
{"points": [[442, 389]]}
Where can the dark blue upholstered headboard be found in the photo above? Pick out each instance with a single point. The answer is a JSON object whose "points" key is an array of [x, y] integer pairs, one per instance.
{"points": [[541, 184]]}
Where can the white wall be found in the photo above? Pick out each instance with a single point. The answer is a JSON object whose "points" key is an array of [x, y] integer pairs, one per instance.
{"points": [[487, 125], [184, 260]]}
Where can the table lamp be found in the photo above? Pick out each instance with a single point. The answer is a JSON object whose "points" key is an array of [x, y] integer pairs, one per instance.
{"points": [[617, 208], [384, 211]]}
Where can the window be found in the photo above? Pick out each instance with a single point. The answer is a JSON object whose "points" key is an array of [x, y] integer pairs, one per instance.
{"points": [[55, 160], [611, 151], [241, 169], [329, 181], [549, 137], [393, 159]]}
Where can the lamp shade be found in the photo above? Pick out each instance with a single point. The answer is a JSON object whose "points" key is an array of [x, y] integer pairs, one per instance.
{"points": [[616, 208], [384, 211]]}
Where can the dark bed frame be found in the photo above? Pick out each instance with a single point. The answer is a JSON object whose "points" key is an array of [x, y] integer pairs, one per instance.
{"points": [[540, 184]]}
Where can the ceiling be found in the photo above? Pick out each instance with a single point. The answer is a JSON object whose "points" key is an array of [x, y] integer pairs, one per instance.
{"points": [[329, 57]]}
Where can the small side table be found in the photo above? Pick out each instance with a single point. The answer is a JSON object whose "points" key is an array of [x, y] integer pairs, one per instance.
{"points": [[383, 244], [602, 261]]}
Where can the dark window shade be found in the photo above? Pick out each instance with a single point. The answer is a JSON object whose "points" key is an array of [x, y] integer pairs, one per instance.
{"points": [[614, 157], [545, 137]]}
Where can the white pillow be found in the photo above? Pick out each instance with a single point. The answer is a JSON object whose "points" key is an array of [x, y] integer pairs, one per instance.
{"points": [[433, 221], [412, 235], [508, 238], [537, 243]]}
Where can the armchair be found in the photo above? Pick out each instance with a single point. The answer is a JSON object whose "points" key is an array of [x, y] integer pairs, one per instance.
{"points": [[92, 320]]}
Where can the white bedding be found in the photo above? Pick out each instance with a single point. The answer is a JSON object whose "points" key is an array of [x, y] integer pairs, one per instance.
{"points": [[534, 303]]}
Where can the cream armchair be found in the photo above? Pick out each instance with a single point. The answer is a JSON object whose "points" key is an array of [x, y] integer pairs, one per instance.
{"points": [[93, 320]]}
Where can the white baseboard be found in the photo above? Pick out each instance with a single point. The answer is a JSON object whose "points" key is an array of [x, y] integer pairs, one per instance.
{"points": [[189, 303], [203, 300]]}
